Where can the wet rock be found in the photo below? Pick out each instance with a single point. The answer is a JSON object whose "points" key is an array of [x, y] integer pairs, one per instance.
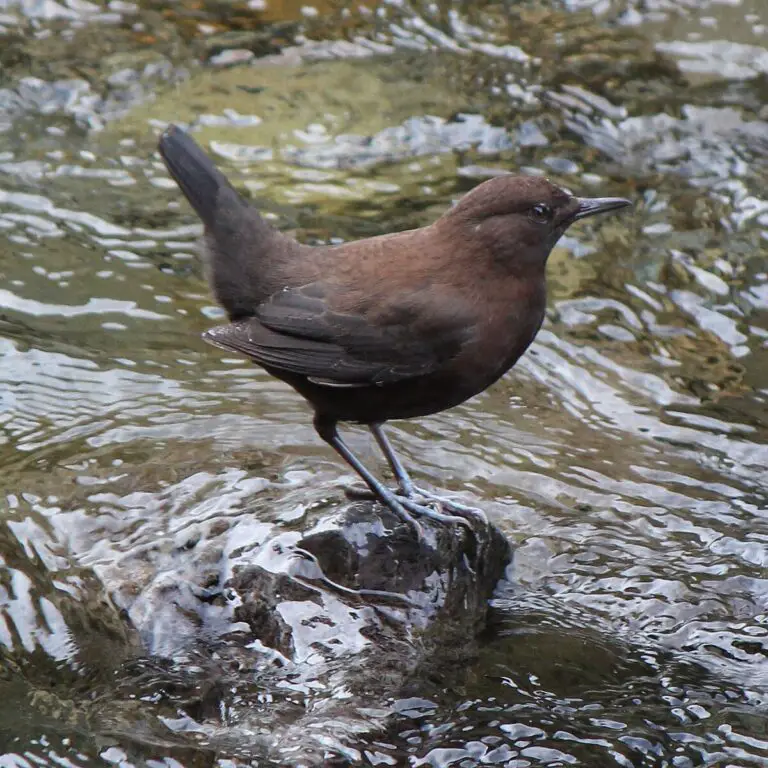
{"points": [[398, 610], [347, 617], [372, 557]]}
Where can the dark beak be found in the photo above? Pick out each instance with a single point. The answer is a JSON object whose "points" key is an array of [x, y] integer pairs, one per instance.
{"points": [[589, 206]]}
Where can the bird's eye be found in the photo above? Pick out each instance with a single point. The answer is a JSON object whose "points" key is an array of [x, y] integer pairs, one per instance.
{"points": [[541, 212]]}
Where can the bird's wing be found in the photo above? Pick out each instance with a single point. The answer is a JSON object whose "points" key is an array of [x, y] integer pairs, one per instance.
{"points": [[297, 331]]}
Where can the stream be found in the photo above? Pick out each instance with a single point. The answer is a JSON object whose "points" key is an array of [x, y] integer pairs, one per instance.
{"points": [[625, 457]]}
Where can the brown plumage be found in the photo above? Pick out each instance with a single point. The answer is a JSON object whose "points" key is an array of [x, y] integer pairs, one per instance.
{"points": [[396, 326]]}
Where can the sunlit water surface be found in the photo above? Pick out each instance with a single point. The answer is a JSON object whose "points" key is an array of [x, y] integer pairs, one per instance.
{"points": [[626, 456]]}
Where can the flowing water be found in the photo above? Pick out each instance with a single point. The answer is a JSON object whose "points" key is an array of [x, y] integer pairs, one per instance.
{"points": [[626, 455]]}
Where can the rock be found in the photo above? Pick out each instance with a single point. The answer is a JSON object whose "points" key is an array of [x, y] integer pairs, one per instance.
{"points": [[337, 623], [398, 608]]}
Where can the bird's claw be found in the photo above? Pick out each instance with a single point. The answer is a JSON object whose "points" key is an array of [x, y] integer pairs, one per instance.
{"points": [[458, 509], [422, 502]]}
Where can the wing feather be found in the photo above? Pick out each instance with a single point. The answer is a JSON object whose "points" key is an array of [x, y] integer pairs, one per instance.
{"points": [[297, 331]]}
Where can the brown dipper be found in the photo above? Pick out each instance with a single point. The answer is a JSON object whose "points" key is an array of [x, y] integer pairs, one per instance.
{"points": [[389, 327]]}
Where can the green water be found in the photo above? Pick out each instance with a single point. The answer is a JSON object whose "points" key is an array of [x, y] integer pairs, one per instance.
{"points": [[626, 455]]}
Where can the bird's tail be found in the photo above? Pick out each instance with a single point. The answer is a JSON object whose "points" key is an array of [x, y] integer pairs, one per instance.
{"points": [[194, 172], [243, 252]]}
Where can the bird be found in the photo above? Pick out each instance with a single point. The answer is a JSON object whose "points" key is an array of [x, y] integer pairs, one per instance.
{"points": [[396, 326]]}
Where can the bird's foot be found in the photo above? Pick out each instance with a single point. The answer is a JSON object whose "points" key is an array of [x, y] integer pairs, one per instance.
{"points": [[455, 508], [416, 506], [420, 502]]}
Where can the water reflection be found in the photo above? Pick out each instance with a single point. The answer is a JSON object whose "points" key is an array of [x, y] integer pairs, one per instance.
{"points": [[567, 693], [625, 456]]}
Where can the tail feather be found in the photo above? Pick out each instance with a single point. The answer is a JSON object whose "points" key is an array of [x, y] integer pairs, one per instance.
{"points": [[194, 172], [244, 255]]}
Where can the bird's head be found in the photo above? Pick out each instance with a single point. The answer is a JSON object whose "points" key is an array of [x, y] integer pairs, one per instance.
{"points": [[517, 220]]}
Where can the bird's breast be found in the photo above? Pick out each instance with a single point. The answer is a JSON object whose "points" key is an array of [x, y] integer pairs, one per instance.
{"points": [[505, 332]]}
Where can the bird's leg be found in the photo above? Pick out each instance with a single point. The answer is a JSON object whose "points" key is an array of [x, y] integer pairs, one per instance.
{"points": [[401, 506], [409, 490], [404, 481], [328, 431]]}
